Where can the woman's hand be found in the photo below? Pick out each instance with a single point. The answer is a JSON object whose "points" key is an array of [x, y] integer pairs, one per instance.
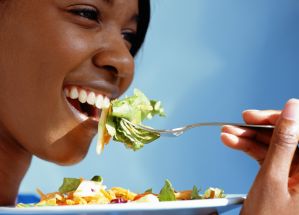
{"points": [[276, 187]]}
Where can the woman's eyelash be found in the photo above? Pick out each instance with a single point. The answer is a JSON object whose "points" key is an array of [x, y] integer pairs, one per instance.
{"points": [[88, 13], [94, 15], [130, 37]]}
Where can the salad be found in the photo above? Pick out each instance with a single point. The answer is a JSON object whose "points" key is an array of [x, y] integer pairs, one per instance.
{"points": [[79, 191], [113, 121]]}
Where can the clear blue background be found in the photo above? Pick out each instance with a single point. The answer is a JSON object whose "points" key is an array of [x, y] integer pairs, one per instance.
{"points": [[206, 60]]}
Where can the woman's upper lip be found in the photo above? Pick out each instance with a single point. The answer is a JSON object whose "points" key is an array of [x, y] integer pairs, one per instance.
{"points": [[98, 86]]}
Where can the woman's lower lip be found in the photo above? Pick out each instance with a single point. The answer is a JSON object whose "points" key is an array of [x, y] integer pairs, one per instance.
{"points": [[78, 115]]}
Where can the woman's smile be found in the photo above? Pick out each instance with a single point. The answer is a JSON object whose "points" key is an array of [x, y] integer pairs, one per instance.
{"points": [[85, 103]]}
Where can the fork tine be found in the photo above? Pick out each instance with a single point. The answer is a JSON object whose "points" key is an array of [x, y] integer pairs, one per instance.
{"points": [[165, 132]]}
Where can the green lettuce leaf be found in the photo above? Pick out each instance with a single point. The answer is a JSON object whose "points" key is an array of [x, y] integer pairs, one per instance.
{"points": [[69, 184], [149, 190], [135, 109], [97, 178], [194, 194], [167, 192]]}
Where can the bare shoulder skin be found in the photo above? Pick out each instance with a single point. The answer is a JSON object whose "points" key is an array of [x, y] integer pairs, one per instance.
{"points": [[50, 49]]}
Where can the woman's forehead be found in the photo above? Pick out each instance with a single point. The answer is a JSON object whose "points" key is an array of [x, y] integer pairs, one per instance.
{"points": [[131, 4], [124, 10]]}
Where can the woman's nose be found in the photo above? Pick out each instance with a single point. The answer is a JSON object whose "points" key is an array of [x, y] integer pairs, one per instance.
{"points": [[114, 57]]}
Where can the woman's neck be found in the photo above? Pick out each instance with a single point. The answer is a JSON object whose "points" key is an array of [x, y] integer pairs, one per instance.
{"points": [[14, 163]]}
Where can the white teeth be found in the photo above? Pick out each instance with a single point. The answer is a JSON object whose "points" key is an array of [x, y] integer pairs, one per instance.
{"points": [[91, 98], [82, 96], [106, 102], [99, 101], [74, 93], [66, 92]]}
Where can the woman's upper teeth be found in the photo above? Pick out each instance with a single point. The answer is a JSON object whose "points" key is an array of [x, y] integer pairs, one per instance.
{"points": [[90, 97]]}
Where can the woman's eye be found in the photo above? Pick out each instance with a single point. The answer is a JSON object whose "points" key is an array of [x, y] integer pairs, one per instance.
{"points": [[88, 13], [130, 37]]}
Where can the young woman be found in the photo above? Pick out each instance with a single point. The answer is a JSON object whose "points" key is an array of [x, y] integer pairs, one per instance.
{"points": [[52, 50]]}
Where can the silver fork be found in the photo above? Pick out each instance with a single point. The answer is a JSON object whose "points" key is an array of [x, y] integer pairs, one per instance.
{"points": [[174, 132]]}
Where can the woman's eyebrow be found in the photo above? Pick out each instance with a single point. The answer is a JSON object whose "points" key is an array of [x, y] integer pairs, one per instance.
{"points": [[109, 2]]}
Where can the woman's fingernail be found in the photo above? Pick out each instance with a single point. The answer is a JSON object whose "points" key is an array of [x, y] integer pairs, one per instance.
{"points": [[291, 110], [251, 110]]}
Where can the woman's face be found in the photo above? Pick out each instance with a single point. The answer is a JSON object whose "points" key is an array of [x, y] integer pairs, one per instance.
{"points": [[52, 52]]}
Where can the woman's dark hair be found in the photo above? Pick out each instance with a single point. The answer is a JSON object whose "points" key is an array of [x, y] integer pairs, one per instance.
{"points": [[142, 25]]}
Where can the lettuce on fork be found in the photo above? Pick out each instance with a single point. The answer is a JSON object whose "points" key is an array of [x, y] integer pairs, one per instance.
{"points": [[135, 109]]}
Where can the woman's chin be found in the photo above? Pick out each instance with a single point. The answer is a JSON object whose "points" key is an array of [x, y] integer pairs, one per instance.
{"points": [[69, 159], [67, 155], [72, 147]]}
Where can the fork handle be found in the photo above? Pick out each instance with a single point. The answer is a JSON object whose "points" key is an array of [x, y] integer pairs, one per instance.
{"points": [[229, 123]]}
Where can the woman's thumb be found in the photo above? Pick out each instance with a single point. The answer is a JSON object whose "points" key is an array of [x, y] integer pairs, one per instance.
{"points": [[283, 143]]}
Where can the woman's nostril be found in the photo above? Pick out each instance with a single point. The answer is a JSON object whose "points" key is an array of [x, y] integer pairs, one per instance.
{"points": [[111, 69], [115, 72]]}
